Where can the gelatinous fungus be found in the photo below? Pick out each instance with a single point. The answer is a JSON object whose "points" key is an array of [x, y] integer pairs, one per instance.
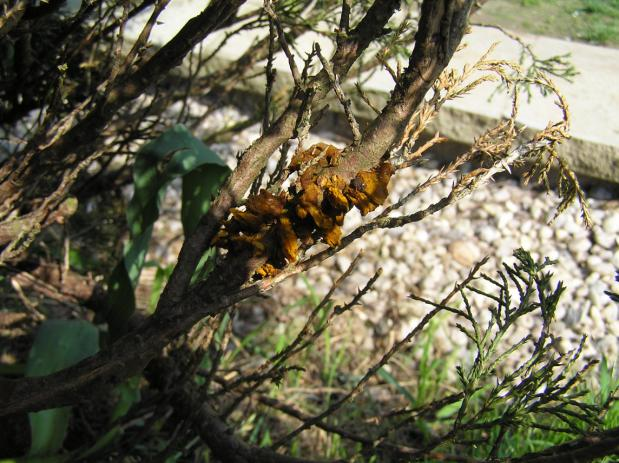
{"points": [[313, 209]]}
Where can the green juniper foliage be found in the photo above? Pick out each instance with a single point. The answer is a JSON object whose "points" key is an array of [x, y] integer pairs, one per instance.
{"points": [[543, 392]]}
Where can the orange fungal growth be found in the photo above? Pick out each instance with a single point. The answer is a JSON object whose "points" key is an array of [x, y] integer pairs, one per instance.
{"points": [[333, 236], [266, 271], [289, 239], [266, 204], [246, 219], [369, 188], [276, 226], [329, 156], [334, 193]]}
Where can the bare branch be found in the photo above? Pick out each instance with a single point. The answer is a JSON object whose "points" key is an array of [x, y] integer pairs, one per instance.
{"points": [[346, 103], [219, 437], [588, 448], [294, 70], [441, 27], [76, 143], [126, 357], [419, 152], [142, 39], [381, 363]]}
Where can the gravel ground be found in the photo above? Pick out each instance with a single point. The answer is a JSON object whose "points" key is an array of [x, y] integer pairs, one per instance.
{"points": [[428, 257]]}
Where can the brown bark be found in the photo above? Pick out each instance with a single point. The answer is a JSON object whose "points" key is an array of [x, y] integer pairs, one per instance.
{"points": [[441, 28], [220, 438], [11, 229], [581, 450], [65, 287]]}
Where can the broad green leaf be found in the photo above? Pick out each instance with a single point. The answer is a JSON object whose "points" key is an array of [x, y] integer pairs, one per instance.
{"points": [[76, 260], [199, 187], [128, 395], [205, 266], [120, 300], [58, 344], [162, 275], [175, 153]]}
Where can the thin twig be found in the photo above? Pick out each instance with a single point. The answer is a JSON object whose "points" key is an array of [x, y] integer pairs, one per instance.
{"points": [[294, 70], [378, 365], [346, 102], [365, 98], [410, 159], [142, 40], [300, 341]]}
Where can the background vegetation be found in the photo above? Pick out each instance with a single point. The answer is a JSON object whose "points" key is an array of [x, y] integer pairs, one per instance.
{"points": [[593, 21]]}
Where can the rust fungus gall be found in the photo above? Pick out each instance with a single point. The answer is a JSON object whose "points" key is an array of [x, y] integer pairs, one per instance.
{"points": [[276, 227]]}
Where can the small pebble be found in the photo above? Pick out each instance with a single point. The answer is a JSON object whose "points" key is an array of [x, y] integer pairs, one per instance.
{"points": [[464, 252], [579, 246], [611, 224], [604, 239]]}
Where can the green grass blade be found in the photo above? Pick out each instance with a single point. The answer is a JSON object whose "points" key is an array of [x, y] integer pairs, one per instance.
{"points": [[391, 380]]}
